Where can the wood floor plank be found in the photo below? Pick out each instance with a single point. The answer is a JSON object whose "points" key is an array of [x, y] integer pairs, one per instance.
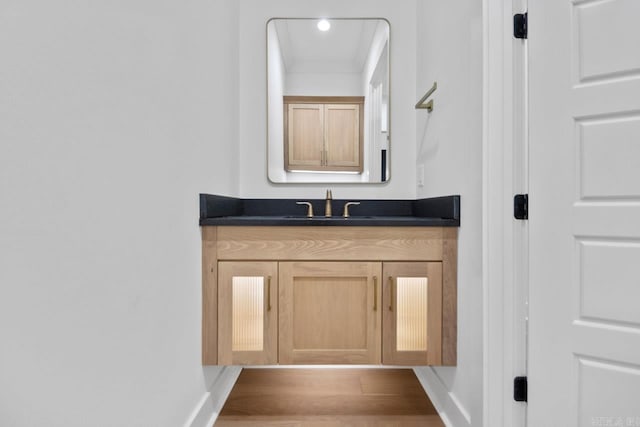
{"points": [[332, 421], [328, 397], [392, 381], [262, 382], [327, 405]]}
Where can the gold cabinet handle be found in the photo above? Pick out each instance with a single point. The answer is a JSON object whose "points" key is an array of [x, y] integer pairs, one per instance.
{"points": [[375, 293], [269, 293], [390, 293]]}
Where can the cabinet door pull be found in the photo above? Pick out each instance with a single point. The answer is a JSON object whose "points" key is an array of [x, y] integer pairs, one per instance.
{"points": [[375, 293], [390, 293], [269, 293]]}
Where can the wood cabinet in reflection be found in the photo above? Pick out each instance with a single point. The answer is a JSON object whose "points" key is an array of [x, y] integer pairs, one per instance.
{"points": [[323, 133]]}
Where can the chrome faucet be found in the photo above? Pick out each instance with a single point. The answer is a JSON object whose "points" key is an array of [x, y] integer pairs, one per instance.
{"points": [[327, 206]]}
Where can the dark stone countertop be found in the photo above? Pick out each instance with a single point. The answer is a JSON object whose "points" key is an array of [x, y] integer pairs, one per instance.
{"points": [[430, 212]]}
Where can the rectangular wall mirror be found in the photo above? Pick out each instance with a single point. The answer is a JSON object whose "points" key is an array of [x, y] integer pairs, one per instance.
{"points": [[328, 100]]}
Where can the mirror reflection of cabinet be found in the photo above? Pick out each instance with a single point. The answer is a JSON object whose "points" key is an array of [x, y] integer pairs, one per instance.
{"points": [[352, 59], [323, 133], [248, 312]]}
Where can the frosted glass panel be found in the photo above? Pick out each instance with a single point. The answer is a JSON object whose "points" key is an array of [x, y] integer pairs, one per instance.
{"points": [[411, 323], [248, 314]]}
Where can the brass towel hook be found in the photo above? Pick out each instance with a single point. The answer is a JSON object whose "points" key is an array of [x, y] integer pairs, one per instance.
{"points": [[429, 105]]}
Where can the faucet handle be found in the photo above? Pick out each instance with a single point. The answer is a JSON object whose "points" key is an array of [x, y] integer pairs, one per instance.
{"points": [[345, 213], [309, 208]]}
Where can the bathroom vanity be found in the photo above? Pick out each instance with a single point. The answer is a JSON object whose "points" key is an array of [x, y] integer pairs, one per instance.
{"points": [[378, 287]]}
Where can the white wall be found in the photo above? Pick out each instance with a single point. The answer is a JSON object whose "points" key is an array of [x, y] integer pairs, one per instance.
{"points": [[323, 84], [376, 69], [275, 104], [114, 115], [253, 17], [449, 145], [378, 42]]}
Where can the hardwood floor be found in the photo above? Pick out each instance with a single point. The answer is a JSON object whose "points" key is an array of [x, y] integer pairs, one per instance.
{"points": [[327, 398]]}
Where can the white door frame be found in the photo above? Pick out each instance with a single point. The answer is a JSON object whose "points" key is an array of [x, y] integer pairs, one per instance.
{"points": [[505, 241]]}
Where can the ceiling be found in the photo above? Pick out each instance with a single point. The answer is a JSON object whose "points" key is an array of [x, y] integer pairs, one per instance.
{"points": [[342, 49]]}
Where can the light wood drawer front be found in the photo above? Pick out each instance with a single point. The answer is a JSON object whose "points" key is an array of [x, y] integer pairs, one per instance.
{"points": [[331, 243]]}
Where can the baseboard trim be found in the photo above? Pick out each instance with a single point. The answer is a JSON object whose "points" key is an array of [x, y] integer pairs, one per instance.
{"points": [[449, 408], [208, 408]]}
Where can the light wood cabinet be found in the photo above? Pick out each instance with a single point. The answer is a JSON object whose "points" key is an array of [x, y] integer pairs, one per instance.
{"points": [[248, 313], [412, 319], [323, 133], [329, 312], [329, 295], [305, 137]]}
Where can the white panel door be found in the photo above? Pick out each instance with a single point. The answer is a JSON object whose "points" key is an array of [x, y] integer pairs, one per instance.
{"points": [[584, 330]]}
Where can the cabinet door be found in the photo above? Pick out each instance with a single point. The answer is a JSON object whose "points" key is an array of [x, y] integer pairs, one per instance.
{"points": [[412, 319], [248, 313], [305, 137], [330, 312], [342, 136]]}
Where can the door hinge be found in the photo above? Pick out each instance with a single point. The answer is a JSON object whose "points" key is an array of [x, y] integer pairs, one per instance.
{"points": [[520, 389], [521, 206], [520, 25]]}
